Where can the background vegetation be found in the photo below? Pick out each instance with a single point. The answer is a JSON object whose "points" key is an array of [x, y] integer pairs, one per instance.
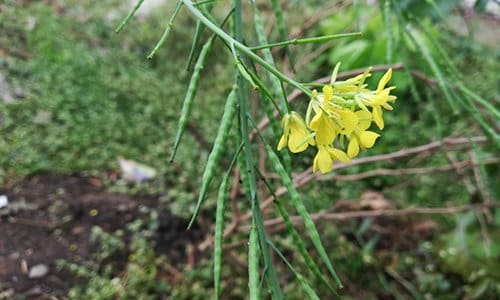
{"points": [[84, 96]]}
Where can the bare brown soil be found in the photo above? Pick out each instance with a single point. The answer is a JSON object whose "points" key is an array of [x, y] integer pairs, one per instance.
{"points": [[49, 217]]}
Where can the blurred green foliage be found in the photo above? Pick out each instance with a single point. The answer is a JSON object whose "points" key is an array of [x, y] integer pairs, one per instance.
{"points": [[91, 95]]}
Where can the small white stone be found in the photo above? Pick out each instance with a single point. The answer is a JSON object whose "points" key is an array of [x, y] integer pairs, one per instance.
{"points": [[3, 201], [38, 271]]}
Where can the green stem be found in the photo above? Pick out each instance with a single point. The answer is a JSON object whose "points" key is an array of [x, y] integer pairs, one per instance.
{"points": [[244, 49], [203, 2], [167, 31], [130, 15], [258, 218], [318, 39]]}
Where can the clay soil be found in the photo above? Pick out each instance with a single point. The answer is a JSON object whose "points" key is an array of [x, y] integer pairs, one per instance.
{"points": [[49, 217]]}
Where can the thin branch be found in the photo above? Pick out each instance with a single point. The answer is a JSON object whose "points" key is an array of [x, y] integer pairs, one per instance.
{"points": [[303, 178], [412, 171], [381, 213]]}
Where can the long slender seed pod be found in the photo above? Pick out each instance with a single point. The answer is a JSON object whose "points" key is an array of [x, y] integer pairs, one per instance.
{"points": [[218, 236], [190, 94], [219, 224], [219, 229], [218, 149], [306, 218], [253, 265]]}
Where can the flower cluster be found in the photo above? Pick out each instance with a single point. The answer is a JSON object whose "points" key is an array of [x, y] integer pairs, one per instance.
{"points": [[337, 117]]}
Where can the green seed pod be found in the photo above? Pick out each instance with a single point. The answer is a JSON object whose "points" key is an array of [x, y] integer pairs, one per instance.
{"points": [[218, 148]]}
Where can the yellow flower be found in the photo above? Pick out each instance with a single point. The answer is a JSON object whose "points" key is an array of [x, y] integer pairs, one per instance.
{"points": [[361, 138], [323, 161], [348, 120], [330, 119], [295, 133], [324, 128], [381, 98], [343, 109]]}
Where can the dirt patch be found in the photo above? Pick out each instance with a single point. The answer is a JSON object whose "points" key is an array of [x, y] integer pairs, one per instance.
{"points": [[49, 217]]}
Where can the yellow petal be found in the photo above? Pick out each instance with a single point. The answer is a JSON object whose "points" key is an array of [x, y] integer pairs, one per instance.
{"points": [[387, 106], [377, 116], [323, 126], [365, 119], [322, 161], [327, 92], [349, 121], [384, 80], [338, 154], [285, 124], [353, 148], [316, 121], [356, 79], [282, 142], [368, 138], [299, 137]]}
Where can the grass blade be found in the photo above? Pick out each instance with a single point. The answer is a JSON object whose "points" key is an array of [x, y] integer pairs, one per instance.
{"points": [[490, 108], [424, 50]]}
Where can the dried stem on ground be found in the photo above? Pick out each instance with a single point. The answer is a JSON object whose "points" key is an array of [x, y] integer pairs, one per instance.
{"points": [[379, 213], [303, 178]]}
